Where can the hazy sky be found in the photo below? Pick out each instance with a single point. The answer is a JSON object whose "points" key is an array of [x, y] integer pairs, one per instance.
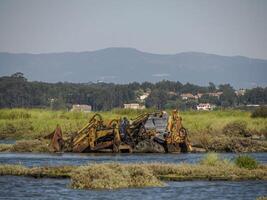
{"points": [[226, 27]]}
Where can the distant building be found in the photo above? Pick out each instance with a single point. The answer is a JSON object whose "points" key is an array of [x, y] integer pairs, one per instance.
{"points": [[186, 96], [81, 108], [144, 96], [215, 94], [172, 93], [205, 106], [253, 105], [240, 92], [133, 106]]}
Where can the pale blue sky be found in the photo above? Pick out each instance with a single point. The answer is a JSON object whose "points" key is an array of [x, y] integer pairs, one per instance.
{"points": [[225, 27]]}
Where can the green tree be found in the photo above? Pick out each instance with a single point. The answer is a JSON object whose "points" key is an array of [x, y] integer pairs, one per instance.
{"points": [[157, 99], [211, 87], [228, 98], [256, 96]]}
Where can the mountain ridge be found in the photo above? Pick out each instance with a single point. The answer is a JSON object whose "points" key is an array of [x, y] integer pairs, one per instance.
{"points": [[134, 49], [123, 65]]}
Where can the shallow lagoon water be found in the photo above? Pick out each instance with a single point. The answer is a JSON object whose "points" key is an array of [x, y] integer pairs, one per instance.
{"points": [[42, 159], [31, 188], [12, 187]]}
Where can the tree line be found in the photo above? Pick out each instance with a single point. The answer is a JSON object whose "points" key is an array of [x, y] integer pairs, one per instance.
{"points": [[16, 91]]}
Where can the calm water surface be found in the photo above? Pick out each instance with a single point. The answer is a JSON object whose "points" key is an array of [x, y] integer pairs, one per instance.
{"points": [[12, 187], [32, 159], [30, 188]]}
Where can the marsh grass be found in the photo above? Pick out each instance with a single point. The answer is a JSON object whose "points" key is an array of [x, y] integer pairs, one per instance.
{"points": [[12, 114], [37, 146], [260, 112], [5, 147], [213, 131], [218, 172], [15, 170], [37, 172], [30, 146], [113, 176], [245, 161], [213, 159], [213, 122], [33, 123], [131, 112], [235, 128], [116, 175]]}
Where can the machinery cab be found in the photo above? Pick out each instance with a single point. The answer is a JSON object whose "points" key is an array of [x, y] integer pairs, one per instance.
{"points": [[158, 124]]}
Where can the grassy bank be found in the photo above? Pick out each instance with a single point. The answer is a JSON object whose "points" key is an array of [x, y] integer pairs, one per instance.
{"points": [[215, 131], [115, 175], [33, 123], [36, 146]]}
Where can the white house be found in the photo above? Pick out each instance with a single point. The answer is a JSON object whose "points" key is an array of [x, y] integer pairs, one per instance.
{"points": [[186, 96], [144, 96], [205, 106], [215, 94], [240, 92], [133, 106]]}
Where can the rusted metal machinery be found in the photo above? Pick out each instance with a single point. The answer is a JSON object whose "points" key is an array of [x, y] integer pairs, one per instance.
{"points": [[157, 132], [96, 136], [149, 132], [57, 142]]}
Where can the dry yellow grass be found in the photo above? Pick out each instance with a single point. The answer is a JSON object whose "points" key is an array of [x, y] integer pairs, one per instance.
{"points": [[26, 146], [31, 146], [38, 172], [113, 176], [5, 147], [15, 170]]}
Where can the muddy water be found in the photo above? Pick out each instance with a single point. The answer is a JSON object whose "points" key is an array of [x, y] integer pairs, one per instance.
{"points": [[31, 159], [30, 188]]}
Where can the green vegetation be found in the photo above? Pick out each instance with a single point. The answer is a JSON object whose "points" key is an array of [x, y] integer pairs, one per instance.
{"points": [[260, 112], [235, 128], [30, 146], [36, 146], [5, 147], [32, 123], [221, 130], [113, 176], [226, 130], [212, 159], [215, 121], [116, 175], [16, 91], [37, 172], [246, 162]]}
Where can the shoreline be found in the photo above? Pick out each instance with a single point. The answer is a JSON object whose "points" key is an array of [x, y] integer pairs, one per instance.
{"points": [[117, 175], [229, 145]]}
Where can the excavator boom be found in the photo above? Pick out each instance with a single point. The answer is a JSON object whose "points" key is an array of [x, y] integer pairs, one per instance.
{"points": [[149, 132]]}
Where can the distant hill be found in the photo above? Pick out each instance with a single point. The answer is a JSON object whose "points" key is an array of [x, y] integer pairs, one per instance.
{"points": [[123, 65]]}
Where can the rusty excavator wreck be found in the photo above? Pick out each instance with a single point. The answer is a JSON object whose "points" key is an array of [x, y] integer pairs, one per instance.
{"points": [[148, 133]]}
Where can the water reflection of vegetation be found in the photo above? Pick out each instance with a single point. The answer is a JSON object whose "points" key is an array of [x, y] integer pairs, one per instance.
{"points": [[116, 175]]}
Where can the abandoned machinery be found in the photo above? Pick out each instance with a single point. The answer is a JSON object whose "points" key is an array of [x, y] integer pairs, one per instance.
{"points": [[148, 133]]}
